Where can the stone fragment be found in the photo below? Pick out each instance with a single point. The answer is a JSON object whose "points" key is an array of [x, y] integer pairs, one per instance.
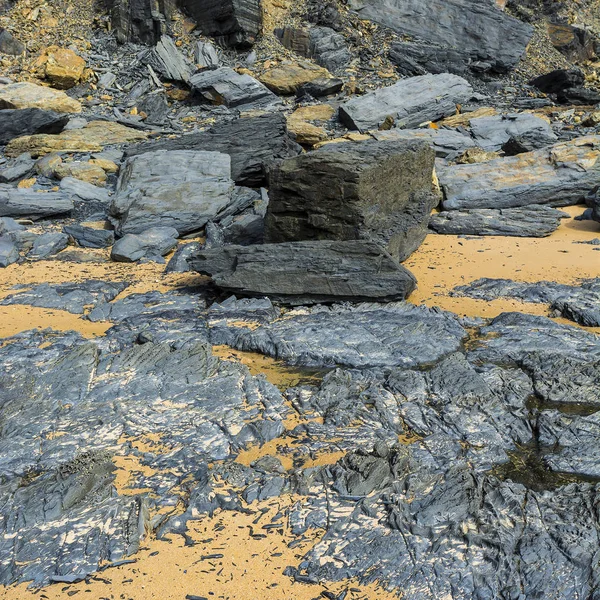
{"points": [[286, 78], [90, 237], [419, 58], [206, 56], [9, 44], [86, 198], [81, 170], [29, 95], [168, 61], [62, 67], [47, 245], [575, 43], [408, 103], [376, 191], [476, 155], [139, 21], [150, 244], [307, 272], [9, 253], [29, 121], [27, 204], [179, 262], [183, 189], [322, 86], [19, 168]]}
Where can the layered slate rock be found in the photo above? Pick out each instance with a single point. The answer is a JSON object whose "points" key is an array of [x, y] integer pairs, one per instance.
{"points": [[183, 189], [234, 22], [28, 204], [376, 191], [558, 176], [408, 103], [307, 272], [150, 244], [29, 95], [140, 21], [9, 252], [29, 121], [526, 221], [168, 61], [478, 30], [253, 143]]}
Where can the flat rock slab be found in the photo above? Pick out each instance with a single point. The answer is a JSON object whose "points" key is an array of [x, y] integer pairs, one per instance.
{"points": [[91, 138], [150, 244], [307, 272], [9, 252], [526, 221], [558, 176], [253, 143], [29, 95], [183, 189], [29, 121], [477, 29], [375, 191], [408, 103], [28, 204]]}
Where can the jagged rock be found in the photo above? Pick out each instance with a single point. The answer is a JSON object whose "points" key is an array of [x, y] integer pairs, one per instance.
{"points": [[234, 22], [253, 144], [408, 103], [62, 67], [226, 86], [29, 121], [558, 176], [527, 221], [492, 133], [91, 138], [376, 191], [322, 86], [559, 80], [206, 56], [593, 200], [183, 189], [149, 244], [179, 261], [84, 171], [21, 167], [307, 272], [27, 204], [288, 77], [155, 106], [88, 237], [480, 31], [579, 96], [87, 199], [140, 21], [415, 58], [29, 95], [48, 244], [9, 44], [575, 43], [9, 253], [167, 60]]}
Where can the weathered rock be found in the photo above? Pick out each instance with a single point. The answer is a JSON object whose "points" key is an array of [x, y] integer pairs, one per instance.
{"points": [[206, 56], [81, 170], [322, 86], [86, 198], [179, 261], [27, 204], [167, 60], [575, 43], [226, 86], [234, 22], [91, 138], [29, 95], [9, 253], [253, 144], [62, 67], [419, 58], [558, 176], [140, 21], [89, 237], [288, 77], [48, 244], [480, 31], [527, 221], [21, 167], [179, 188], [29, 121], [579, 96], [149, 244], [9, 44], [559, 80], [408, 103], [376, 191], [307, 272]]}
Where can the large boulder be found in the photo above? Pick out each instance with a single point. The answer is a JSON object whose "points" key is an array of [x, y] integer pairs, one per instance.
{"points": [[478, 30], [29, 121], [408, 103], [183, 189], [29, 204], [307, 272], [253, 143], [377, 191], [560, 175], [29, 95]]}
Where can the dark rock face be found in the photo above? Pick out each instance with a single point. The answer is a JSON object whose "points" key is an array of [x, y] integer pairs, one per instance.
{"points": [[409, 103], [415, 58], [252, 143], [140, 21], [9, 44], [27, 204], [88, 237], [150, 244], [527, 221], [477, 30], [307, 272], [232, 22], [376, 191], [559, 80]]}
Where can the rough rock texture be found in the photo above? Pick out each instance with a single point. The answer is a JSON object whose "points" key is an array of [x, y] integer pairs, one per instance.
{"points": [[419, 58], [307, 272], [29, 121], [9, 44], [29, 95], [561, 175], [527, 221], [288, 77], [27, 204], [253, 144], [409, 103], [88, 237], [168, 61], [47, 245], [9, 252], [178, 188], [150, 244], [376, 191], [140, 21], [476, 29]]}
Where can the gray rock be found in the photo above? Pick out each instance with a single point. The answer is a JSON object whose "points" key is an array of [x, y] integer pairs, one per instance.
{"points": [[307, 272], [206, 56], [179, 188], [28, 204], [226, 86], [322, 86], [527, 221], [559, 80], [408, 103], [29, 121], [47, 245], [179, 261], [9, 253], [167, 60], [149, 244], [156, 106], [419, 58], [253, 144], [376, 191], [18, 169], [558, 176], [9, 44], [139, 21], [87, 199], [593, 201], [479, 30], [88, 237]]}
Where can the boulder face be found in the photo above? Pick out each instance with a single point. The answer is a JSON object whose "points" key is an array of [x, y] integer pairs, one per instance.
{"points": [[232, 22], [477, 30], [139, 21], [183, 189], [376, 191], [307, 272], [29, 121], [408, 103]]}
